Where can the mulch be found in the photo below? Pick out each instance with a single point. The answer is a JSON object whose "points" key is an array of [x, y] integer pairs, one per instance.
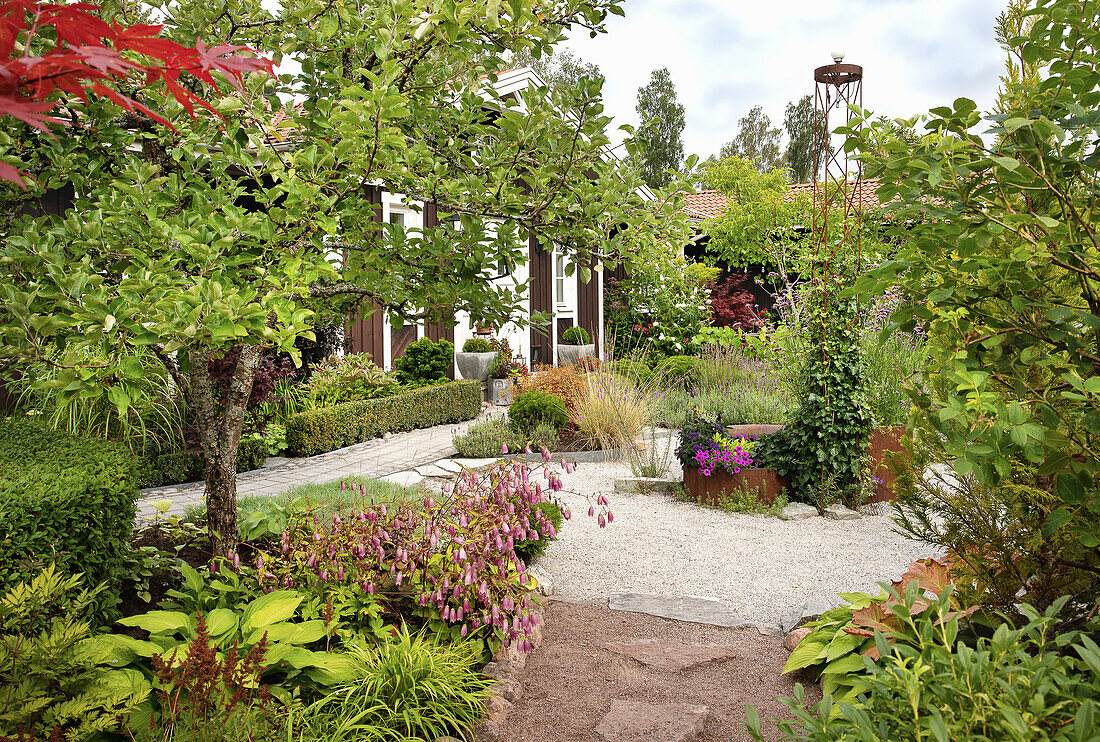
{"points": [[569, 683]]}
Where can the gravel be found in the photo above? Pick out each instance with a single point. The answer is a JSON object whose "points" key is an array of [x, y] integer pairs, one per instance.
{"points": [[760, 566]]}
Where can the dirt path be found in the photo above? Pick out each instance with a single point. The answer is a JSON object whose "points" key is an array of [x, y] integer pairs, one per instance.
{"points": [[571, 682]]}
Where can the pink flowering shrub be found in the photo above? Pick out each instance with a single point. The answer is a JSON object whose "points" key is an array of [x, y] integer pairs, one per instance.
{"points": [[454, 559]]}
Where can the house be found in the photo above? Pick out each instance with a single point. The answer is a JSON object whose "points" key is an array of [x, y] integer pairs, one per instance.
{"points": [[568, 300]]}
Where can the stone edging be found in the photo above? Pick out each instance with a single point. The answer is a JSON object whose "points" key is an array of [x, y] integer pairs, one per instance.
{"points": [[506, 668]]}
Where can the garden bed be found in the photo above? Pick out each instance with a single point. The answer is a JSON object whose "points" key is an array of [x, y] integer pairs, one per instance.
{"points": [[764, 484]]}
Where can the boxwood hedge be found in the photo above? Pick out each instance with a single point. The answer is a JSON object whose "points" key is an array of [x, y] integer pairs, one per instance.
{"points": [[174, 467], [64, 499], [327, 429]]}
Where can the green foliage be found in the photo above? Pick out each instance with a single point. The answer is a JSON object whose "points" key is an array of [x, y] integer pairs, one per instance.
{"points": [[677, 369], [576, 336], [1007, 258], [477, 345], [632, 369], [531, 549], [1027, 684], [407, 688], [347, 379], [894, 368], [50, 682], [534, 408], [486, 438], [313, 432], [661, 119], [757, 142], [660, 308], [173, 467], [822, 448], [798, 120], [67, 501], [424, 362]]}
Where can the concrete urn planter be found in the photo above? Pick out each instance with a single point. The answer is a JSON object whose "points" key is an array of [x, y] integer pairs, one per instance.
{"points": [[572, 353], [501, 391], [475, 365]]}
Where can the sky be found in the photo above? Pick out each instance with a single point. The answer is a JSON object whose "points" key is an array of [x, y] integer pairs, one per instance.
{"points": [[726, 56]]}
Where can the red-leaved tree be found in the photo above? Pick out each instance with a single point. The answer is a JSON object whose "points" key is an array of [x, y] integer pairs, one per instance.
{"points": [[732, 303], [67, 52]]}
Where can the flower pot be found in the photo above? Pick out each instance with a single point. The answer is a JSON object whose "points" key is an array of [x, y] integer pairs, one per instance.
{"points": [[710, 490], [501, 391], [751, 431], [572, 353], [475, 365], [884, 440]]}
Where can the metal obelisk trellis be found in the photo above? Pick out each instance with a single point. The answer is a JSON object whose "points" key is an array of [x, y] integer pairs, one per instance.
{"points": [[838, 179]]}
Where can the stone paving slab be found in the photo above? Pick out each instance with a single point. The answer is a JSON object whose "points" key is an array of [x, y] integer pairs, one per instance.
{"points": [[636, 721], [669, 656], [679, 608]]}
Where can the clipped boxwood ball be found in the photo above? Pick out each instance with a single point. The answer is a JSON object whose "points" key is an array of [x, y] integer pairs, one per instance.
{"points": [[534, 407]]}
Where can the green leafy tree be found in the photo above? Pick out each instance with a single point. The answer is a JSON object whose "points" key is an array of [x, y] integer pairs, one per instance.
{"points": [[757, 140], [798, 120], [1001, 244], [240, 234], [661, 122]]}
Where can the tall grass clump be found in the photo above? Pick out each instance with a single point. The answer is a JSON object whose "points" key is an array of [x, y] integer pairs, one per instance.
{"points": [[892, 367], [612, 410]]}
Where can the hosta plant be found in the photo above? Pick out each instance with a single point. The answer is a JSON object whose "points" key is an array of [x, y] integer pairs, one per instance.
{"points": [[833, 651]]}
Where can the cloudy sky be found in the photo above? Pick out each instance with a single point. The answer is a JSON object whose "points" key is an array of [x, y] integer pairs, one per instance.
{"points": [[725, 56]]}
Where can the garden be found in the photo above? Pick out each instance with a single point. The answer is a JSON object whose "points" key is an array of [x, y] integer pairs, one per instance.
{"points": [[937, 362]]}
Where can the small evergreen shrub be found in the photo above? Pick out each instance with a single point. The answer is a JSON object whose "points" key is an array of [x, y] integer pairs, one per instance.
{"points": [[317, 431], [477, 345], [632, 370], [576, 336], [65, 500], [531, 549], [174, 467], [533, 408], [424, 362]]}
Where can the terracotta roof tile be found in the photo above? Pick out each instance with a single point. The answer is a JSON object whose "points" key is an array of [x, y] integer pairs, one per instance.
{"points": [[709, 204]]}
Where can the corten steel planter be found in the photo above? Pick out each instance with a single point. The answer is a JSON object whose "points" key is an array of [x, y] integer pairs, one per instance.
{"points": [[709, 490], [883, 440], [475, 365], [751, 431], [572, 353]]}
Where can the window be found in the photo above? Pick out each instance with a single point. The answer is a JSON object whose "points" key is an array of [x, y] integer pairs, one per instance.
{"points": [[397, 218], [559, 279]]}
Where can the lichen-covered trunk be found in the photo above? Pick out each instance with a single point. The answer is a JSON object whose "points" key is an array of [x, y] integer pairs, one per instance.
{"points": [[220, 424]]}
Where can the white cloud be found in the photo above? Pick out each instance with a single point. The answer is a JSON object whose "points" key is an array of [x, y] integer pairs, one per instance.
{"points": [[726, 56]]}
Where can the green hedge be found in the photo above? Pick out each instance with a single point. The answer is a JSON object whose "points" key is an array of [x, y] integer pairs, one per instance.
{"points": [[328, 429], [64, 499], [174, 467]]}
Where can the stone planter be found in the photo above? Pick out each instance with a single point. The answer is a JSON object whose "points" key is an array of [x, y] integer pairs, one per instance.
{"points": [[501, 391], [572, 353], [751, 431], [709, 490], [883, 440], [475, 365]]}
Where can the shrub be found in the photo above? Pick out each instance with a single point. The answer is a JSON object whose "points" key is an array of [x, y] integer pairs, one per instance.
{"points": [[66, 500], [485, 438], [1027, 684], [50, 688], [347, 379], [565, 382], [530, 549], [173, 467], [477, 345], [424, 362], [317, 431], [678, 369], [575, 336], [611, 411], [531, 409], [407, 688], [631, 369], [732, 303]]}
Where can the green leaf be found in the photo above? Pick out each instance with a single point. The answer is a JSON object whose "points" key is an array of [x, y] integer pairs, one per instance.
{"points": [[1055, 521], [846, 664], [269, 609], [221, 620], [804, 655], [160, 622]]}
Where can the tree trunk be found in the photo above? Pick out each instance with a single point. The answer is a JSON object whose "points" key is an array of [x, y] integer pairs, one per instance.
{"points": [[220, 424]]}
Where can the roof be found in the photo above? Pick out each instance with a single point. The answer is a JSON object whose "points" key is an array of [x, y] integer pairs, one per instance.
{"points": [[710, 203]]}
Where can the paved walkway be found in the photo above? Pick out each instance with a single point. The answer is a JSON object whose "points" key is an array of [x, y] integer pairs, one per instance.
{"points": [[376, 458]]}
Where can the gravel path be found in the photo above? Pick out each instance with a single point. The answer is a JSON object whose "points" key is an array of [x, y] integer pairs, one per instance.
{"points": [[761, 567]]}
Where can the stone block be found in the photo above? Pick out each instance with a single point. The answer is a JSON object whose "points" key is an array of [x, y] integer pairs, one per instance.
{"points": [[799, 615], [670, 656], [798, 511], [636, 721], [678, 608], [649, 485], [791, 640], [836, 511]]}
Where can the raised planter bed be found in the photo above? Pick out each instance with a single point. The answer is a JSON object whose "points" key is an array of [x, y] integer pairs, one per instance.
{"points": [[710, 490]]}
